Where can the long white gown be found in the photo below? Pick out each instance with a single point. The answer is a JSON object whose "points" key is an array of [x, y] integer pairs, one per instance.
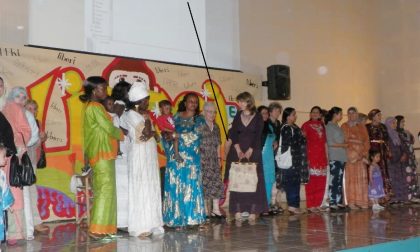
{"points": [[145, 206], [121, 177]]}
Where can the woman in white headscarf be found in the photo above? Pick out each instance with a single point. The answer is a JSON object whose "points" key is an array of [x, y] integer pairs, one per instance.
{"points": [[19, 227], [144, 194]]}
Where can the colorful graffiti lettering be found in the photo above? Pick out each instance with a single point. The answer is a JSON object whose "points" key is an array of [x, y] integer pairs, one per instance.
{"points": [[61, 112]]}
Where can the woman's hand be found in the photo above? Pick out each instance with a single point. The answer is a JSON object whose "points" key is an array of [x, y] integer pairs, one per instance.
{"points": [[275, 145], [125, 132], [156, 136], [143, 138], [168, 136], [146, 116], [239, 152], [351, 140], [248, 153], [403, 158], [42, 137], [147, 131]]}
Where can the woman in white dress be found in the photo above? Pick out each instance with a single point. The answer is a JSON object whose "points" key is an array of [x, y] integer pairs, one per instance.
{"points": [[144, 207], [120, 94]]}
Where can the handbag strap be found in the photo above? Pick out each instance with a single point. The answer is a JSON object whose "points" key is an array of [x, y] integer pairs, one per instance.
{"points": [[23, 138], [240, 160], [280, 138]]}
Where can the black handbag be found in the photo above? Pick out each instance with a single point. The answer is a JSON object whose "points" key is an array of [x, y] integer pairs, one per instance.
{"points": [[28, 174], [15, 177], [22, 173], [42, 162]]}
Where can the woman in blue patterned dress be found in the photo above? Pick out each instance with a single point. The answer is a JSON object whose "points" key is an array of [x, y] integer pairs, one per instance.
{"points": [[183, 197]]}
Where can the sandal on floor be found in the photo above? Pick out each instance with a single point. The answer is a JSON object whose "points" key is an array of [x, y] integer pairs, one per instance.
{"points": [[252, 217], [294, 210], [353, 207], [11, 242], [145, 235], [313, 210], [217, 216], [202, 227], [96, 236]]}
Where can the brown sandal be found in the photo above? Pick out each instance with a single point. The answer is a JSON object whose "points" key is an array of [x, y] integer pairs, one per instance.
{"points": [[145, 235], [96, 236]]}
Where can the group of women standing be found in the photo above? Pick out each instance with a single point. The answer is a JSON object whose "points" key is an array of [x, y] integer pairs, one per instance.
{"points": [[398, 163], [20, 133], [331, 160], [144, 215], [192, 180], [348, 154]]}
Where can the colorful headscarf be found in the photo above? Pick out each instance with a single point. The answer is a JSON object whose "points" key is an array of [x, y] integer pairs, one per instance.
{"points": [[355, 122], [393, 134]]}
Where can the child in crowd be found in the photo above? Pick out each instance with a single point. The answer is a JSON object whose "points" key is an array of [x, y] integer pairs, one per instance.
{"points": [[119, 107], [165, 123], [376, 188], [110, 107], [6, 196]]}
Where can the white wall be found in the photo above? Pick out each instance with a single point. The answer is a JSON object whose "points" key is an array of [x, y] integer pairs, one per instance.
{"points": [[159, 29], [57, 23], [222, 34], [307, 35], [398, 32], [150, 29], [13, 21]]}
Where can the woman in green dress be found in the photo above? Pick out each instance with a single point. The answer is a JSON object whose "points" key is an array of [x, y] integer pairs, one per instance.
{"points": [[101, 146]]}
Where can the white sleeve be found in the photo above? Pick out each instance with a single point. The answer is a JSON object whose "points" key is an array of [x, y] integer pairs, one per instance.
{"points": [[123, 120], [34, 129]]}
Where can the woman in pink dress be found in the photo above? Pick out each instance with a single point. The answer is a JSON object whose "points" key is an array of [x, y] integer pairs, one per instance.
{"points": [[14, 112]]}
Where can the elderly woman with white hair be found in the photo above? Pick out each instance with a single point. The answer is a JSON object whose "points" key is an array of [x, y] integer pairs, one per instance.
{"points": [[144, 194], [211, 162], [14, 111]]}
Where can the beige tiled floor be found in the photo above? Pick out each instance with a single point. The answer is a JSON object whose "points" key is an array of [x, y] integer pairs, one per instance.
{"points": [[308, 232]]}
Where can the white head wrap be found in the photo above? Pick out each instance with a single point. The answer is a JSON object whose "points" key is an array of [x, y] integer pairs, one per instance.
{"points": [[138, 91]]}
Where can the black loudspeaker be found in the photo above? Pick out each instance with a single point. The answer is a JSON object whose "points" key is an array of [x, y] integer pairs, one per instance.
{"points": [[278, 78]]}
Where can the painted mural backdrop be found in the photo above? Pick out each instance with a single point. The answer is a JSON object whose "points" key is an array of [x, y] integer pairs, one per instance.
{"points": [[54, 79]]}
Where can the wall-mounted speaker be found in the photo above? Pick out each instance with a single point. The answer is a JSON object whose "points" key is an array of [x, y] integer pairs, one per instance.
{"points": [[278, 78]]}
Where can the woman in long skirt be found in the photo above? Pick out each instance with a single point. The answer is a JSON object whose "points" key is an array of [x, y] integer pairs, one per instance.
{"points": [[356, 175], [183, 197], [246, 134], [316, 143], [101, 147], [395, 163], [379, 140], [145, 205], [210, 162]]}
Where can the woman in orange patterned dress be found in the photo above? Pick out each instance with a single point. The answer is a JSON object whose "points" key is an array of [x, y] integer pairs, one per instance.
{"points": [[356, 176]]}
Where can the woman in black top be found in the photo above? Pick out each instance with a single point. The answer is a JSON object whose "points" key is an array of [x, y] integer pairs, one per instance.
{"points": [[6, 135], [291, 178]]}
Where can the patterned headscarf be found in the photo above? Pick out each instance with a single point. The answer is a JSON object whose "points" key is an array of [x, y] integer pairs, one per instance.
{"points": [[350, 122], [393, 134]]}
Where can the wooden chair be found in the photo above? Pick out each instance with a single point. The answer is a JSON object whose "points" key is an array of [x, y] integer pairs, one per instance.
{"points": [[84, 198]]}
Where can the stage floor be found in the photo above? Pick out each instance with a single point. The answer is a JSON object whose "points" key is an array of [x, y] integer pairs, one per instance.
{"points": [[307, 232]]}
